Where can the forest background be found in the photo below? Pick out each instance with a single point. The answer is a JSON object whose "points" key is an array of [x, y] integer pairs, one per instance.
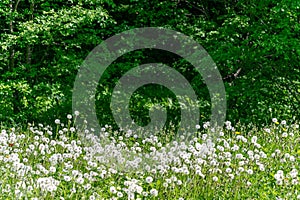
{"points": [[43, 43]]}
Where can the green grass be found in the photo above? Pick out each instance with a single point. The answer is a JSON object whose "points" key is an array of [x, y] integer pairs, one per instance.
{"points": [[41, 163]]}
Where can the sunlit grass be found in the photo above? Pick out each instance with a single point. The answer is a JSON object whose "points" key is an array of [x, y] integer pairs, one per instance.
{"points": [[44, 163]]}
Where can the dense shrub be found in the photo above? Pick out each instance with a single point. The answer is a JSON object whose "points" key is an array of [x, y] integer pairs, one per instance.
{"points": [[42, 46]]}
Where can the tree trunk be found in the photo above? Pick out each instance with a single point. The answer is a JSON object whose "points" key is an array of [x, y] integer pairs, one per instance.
{"points": [[11, 49], [28, 48]]}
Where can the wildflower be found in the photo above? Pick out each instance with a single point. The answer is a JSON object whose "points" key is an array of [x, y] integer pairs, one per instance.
{"points": [[294, 181], [73, 190], [67, 178], [237, 132], [235, 148], [145, 194], [87, 186], [228, 170], [261, 167], [284, 134], [138, 189], [254, 139], [292, 159], [257, 157], [279, 176], [92, 197], [293, 173], [241, 169], [239, 156], [69, 116], [52, 169], [228, 123], [76, 113], [241, 163], [179, 182], [119, 194], [268, 130], [47, 184], [113, 190], [277, 151], [206, 125], [221, 148], [250, 171], [154, 192], [215, 179], [149, 179], [257, 145], [57, 121]]}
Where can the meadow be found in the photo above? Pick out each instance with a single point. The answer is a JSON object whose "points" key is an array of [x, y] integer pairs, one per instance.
{"points": [[43, 47], [40, 162]]}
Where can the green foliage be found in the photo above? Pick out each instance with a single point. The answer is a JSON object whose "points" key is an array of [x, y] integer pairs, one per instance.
{"points": [[42, 45]]}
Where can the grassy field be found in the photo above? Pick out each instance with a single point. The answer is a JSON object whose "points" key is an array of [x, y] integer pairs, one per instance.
{"points": [[242, 163]]}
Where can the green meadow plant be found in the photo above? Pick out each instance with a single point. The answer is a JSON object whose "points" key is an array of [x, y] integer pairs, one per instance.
{"points": [[41, 162]]}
